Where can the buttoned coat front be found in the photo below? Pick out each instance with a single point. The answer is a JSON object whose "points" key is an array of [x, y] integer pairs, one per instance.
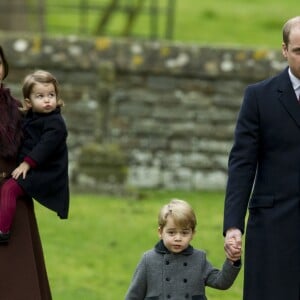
{"points": [[45, 142], [264, 175], [161, 275]]}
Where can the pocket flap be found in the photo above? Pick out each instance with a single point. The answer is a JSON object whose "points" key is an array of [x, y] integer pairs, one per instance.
{"points": [[261, 201]]}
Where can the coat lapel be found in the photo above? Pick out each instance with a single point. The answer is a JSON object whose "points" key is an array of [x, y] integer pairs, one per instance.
{"points": [[288, 97]]}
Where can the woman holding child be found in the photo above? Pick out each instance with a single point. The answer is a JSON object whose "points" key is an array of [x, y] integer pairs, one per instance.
{"points": [[22, 273]]}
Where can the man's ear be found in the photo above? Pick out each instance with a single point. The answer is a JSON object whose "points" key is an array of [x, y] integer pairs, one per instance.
{"points": [[284, 49]]}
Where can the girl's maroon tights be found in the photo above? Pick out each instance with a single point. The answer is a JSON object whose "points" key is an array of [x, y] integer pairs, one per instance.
{"points": [[10, 191]]}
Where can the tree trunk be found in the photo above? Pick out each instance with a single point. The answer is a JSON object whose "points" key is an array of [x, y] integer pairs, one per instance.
{"points": [[132, 16], [108, 12]]}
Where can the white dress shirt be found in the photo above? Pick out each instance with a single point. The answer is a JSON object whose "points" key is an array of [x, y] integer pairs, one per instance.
{"points": [[296, 83]]}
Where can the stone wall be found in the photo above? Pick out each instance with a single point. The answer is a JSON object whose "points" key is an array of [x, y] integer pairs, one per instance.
{"points": [[144, 114]]}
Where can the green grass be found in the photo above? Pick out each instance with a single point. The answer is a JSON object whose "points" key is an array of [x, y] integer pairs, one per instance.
{"points": [[93, 254], [231, 22]]}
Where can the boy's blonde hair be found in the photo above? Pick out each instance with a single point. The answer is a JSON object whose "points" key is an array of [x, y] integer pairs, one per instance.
{"points": [[182, 213]]}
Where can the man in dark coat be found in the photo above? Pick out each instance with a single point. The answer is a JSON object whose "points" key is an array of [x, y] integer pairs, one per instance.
{"points": [[264, 175]]}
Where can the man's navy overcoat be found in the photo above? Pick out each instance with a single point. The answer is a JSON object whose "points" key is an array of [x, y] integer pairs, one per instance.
{"points": [[264, 175]]}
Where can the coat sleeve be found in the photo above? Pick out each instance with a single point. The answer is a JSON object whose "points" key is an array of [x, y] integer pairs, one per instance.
{"points": [[220, 279], [53, 135], [138, 286], [242, 163]]}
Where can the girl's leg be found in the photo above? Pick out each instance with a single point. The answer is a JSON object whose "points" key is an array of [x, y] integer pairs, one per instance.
{"points": [[10, 191]]}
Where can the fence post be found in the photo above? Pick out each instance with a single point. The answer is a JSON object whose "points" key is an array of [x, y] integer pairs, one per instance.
{"points": [[153, 19], [42, 15], [170, 19], [83, 22]]}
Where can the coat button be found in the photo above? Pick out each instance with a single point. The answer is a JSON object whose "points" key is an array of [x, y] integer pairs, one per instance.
{"points": [[185, 280], [167, 262], [167, 279], [187, 296], [185, 264]]}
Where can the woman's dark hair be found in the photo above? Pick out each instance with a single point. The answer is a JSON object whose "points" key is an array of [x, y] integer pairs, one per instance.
{"points": [[4, 62]]}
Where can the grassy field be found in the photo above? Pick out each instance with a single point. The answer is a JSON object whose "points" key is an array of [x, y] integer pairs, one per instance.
{"points": [[230, 22], [93, 254], [233, 22]]}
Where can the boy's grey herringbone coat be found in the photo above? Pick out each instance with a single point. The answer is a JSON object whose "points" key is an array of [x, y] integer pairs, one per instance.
{"points": [[161, 275]]}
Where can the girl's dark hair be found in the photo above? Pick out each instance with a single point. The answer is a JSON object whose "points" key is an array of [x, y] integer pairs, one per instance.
{"points": [[39, 76], [4, 62]]}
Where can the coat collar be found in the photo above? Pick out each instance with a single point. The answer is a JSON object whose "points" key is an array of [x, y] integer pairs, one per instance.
{"points": [[287, 96], [161, 248], [31, 114]]}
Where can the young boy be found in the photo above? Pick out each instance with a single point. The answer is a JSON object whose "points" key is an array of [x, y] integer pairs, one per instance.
{"points": [[174, 269]]}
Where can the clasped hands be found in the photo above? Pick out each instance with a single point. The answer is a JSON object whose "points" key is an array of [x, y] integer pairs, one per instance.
{"points": [[233, 244]]}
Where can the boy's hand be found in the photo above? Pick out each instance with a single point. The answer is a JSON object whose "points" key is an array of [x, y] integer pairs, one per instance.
{"points": [[237, 251], [22, 169], [233, 244]]}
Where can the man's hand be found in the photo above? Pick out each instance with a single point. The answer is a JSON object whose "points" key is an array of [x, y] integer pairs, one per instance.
{"points": [[233, 244]]}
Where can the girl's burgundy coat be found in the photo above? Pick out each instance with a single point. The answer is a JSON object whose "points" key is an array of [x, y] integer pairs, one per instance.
{"points": [[45, 142]]}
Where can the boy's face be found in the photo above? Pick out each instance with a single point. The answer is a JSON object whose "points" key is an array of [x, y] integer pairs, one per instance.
{"points": [[176, 239], [42, 98]]}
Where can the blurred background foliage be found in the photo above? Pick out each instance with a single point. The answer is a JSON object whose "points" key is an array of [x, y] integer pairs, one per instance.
{"points": [[231, 22]]}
